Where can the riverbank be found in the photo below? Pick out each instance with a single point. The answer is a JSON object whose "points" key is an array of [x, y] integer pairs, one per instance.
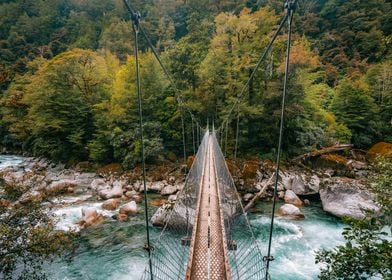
{"points": [[112, 247]]}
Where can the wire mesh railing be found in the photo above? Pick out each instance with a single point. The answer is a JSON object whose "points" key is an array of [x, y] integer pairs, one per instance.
{"points": [[245, 256], [171, 250]]}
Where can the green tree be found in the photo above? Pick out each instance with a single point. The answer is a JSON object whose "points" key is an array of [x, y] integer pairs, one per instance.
{"points": [[117, 135], [379, 78], [354, 106], [367, 251], [28, 238], [61, 99]]}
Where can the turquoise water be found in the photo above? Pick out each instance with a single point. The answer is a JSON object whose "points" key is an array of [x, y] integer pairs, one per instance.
{"points": [[114, 250], [294, 242]]}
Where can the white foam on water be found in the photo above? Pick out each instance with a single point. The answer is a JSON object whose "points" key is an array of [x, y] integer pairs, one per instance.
{"points": [[294, 251], [69, 216], [8, 160], [71, 199]]}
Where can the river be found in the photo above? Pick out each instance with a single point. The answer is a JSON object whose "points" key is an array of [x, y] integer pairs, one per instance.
{"points": [[113, 250]]}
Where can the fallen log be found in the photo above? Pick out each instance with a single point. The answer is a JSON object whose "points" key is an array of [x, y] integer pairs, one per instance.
{"points": [[259, 194], [327, 150]]}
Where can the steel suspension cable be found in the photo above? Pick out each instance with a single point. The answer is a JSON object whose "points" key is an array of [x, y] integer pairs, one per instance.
{"points": [[183, 141], [132, 10], [237, 133], [262, 58], [193, 138], [136, 21], [227, 128], [290, 7]]}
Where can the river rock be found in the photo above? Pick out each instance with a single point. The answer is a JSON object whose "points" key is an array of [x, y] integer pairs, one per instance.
{"points": [[298, 185], [111, 204], [175, 218], [97, 184], [115, 192], [344, 197], [131, 193], [85, 179], [129, 208], [154, 186], [31, 196], [61, 186], [11, 177], [161, 216], [172, 198], [292, 198], [137, 197], [284, 182], [314, 184], [248, 197], [290, 211], [168, 190], [122, 217], [90, 217]]}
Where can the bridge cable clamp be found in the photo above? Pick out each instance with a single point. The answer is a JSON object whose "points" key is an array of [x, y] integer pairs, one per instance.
{"points": [[135, 17], [148, 248], [290, 5], [268, 258]]}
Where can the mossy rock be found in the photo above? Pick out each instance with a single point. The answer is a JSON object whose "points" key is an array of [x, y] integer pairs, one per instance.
{"points": [[249, 170], [383, 149]]}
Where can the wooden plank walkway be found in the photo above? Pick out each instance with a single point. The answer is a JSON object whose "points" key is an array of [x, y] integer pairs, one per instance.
{"points": [[208, 253]]}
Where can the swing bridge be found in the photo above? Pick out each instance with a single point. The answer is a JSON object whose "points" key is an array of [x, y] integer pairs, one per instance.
{"points": [[206, 233]]}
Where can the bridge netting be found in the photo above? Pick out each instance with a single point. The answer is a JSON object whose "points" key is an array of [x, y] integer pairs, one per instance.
{"points": [[170, 254]]}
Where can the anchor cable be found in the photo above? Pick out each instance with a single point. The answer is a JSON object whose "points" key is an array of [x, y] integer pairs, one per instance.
{"points": [[136, 20], [290, 7]]}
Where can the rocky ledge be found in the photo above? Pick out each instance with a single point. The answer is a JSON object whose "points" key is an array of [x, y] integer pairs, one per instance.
{"points": [[58, 187]]}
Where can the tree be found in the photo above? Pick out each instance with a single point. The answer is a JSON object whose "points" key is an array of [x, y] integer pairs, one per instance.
{"points": [[379, 78], [61, 99], [354, 106], [117, 134], [28, 238], [367, 251]]}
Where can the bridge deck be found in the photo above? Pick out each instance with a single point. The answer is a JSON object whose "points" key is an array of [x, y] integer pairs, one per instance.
{"points": [[208, 254]]}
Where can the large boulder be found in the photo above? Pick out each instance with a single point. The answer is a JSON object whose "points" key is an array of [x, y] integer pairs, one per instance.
{"points": [[290, 211], [298, 185], [291, 198], [115, 192], [168, 190], [179, 216], [344, 197], [129, 208], [161, 216]]}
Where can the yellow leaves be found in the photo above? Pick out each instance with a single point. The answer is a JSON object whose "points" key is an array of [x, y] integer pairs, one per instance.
{"points": [[301, 56]]}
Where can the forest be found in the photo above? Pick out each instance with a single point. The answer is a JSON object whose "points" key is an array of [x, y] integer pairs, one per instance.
{"points": [[68, 85]]}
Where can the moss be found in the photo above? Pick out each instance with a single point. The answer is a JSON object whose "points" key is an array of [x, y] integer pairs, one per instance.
{"points": [[380, 149]]}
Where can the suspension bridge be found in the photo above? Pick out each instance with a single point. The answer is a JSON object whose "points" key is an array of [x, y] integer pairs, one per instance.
{"points": [[206, 233]]}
